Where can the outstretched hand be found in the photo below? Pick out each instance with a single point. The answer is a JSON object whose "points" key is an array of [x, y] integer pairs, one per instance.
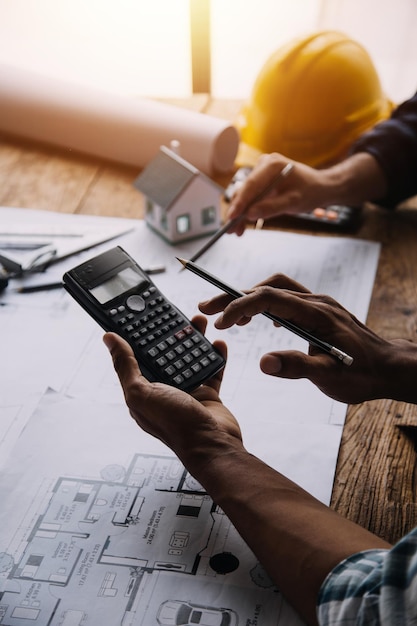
{"points": [[368, 377], [302, 190], [181, 420]]}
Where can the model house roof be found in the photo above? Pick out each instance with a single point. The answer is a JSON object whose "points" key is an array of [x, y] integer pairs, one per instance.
{"points": [[166, 176]]}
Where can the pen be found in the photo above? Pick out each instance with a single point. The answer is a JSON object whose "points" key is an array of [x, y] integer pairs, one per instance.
{"points": [[235, 293], [41, 287], [153, 269], [283, 173]]}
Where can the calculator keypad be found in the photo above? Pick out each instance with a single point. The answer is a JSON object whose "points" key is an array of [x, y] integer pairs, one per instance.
{"points": [[164, 338]]}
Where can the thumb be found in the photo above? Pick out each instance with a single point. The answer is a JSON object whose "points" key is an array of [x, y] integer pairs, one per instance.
{"points": [[124, 360], [289, 364]]}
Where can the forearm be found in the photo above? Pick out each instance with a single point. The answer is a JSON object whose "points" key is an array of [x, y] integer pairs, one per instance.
{"points": [[296, 538], [400, 372], [355, 180]]}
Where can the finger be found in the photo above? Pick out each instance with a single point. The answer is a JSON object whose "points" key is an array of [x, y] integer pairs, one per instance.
{"points": [[124, 360], [282, 281], [214, 305], [200, 323], [310, 312], [293, 364], [279, 202]]}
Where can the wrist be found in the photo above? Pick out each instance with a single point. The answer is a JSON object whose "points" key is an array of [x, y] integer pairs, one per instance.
{"points": [[354, 181], [401, 371]]}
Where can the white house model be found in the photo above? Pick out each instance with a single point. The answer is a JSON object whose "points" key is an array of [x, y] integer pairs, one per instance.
{"points": [[181, 202]]}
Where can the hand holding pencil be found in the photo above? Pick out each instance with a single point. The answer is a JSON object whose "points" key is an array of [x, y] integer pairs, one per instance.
{"points": [[380, 368], [233, 222]]}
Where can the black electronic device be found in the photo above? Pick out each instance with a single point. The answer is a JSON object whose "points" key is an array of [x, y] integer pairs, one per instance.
{"points": [[122, 298]]}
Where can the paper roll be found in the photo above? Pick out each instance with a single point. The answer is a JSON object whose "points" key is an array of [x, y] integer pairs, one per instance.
{"points": [[120, 128]]}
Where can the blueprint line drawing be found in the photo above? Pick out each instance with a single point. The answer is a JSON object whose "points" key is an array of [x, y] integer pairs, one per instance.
{"points": [[137, 546]]}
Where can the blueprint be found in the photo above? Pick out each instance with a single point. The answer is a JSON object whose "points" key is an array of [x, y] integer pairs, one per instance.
{"points": [[134, 544], [100, 524]]}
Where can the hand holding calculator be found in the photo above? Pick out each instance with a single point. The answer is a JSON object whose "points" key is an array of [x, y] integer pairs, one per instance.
{"points": [[122, 298]]}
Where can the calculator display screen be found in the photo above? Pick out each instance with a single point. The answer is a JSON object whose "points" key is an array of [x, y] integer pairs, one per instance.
{"points": [[117, 284]]}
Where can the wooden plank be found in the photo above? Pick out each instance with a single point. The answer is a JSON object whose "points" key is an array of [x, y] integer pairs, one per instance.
{"points": [[42, 177]]}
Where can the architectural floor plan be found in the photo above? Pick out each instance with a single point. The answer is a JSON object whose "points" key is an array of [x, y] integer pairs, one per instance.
{"points": [[140, 545]]}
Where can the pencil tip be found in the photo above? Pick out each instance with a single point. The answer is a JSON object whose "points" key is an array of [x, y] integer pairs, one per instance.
{"points": [[183, 263]]}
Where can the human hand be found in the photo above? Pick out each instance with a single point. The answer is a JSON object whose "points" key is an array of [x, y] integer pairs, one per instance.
{"points": [[302, 190], [186, 423], [376, 362]]}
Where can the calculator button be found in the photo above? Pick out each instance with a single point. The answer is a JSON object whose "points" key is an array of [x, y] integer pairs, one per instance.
{"points": [[171, 340], [189, 330], [187, 373], [153, 352], [121, 309], [136, 303], [180, 334], [170, 355], [205, 361], [179, 364], [196, 367], [187, 358], [161, 361], [188, 344], [113, 312], [170, 370], [162, 345], [178, 379], [196, 352], [331, 214], [179, 349]]}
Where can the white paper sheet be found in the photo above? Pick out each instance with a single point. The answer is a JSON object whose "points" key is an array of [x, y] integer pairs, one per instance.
{"points": [[81, 442]]}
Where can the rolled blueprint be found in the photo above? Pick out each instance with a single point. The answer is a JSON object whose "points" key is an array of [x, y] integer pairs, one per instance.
{"points": [[120, 128]]}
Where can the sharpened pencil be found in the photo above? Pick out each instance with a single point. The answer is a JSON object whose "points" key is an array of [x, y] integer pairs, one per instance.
{"points": [[235, 293]]}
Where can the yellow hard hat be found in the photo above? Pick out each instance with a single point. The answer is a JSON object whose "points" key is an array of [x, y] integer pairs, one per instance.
{"points": [[313, 97]]}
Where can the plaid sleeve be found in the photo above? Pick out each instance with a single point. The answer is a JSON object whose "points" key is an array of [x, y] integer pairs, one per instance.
{"points": [[372, 587]]}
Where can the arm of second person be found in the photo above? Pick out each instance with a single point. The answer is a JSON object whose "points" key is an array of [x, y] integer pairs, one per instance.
{"points": [[352, 182]]}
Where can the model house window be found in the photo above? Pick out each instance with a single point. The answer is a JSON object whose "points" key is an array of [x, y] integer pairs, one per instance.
{"points": [[183, 223], [150, 208], [208, 215], [164, 221]]}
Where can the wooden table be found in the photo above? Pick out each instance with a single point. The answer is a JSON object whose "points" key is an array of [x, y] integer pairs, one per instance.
{"points": [[376, 476]]}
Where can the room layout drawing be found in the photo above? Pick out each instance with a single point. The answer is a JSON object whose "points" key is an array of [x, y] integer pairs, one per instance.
{"points": [[137, 546]]}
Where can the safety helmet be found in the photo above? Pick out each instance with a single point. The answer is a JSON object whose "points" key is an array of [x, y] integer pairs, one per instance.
{"points": [[313, 97]]}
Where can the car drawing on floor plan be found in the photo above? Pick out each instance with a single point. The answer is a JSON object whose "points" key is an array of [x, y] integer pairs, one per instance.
{"points": [[178, 613]]}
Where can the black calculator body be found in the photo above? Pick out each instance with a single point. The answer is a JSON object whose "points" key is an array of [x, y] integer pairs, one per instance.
{"points": [[122, 298]]}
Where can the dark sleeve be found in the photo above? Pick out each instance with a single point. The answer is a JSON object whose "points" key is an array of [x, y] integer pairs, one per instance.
{"points": [[393, 143]]}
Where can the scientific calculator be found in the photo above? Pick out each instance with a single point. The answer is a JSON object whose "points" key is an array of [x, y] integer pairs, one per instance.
{"points": [[121, 297]]}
